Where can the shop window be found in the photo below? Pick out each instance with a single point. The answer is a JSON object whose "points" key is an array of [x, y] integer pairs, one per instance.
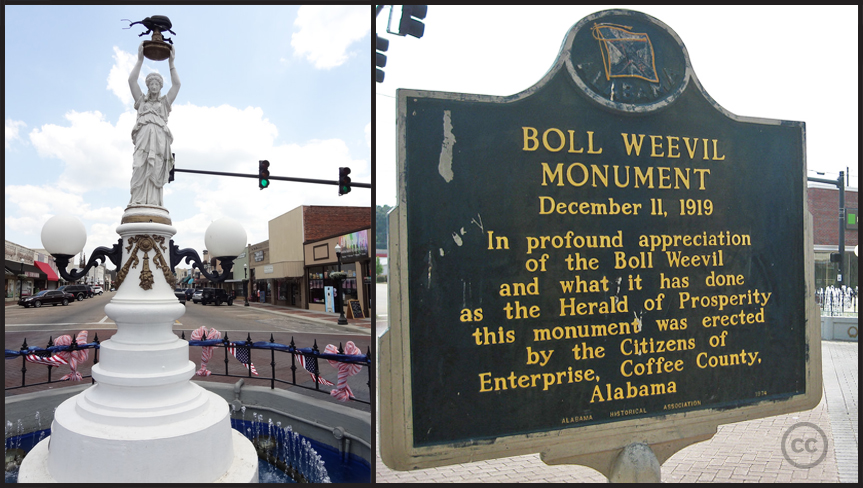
{"points": [[349, 289], [319, 279]]}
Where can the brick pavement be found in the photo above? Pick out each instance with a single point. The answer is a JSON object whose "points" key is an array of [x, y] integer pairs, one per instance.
{"points": [[746, 451], [840, 386]]}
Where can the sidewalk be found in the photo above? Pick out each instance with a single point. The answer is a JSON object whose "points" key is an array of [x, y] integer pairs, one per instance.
{"points": [[359, 326], [746, 451]]}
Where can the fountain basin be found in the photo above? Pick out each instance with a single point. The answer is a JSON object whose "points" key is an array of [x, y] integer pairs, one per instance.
{"points": [[311, 417]]}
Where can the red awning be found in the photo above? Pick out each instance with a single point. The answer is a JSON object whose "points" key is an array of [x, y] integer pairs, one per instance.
{"points": [[46, 268]]}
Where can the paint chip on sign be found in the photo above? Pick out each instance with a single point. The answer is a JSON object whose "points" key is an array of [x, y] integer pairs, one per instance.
{"points": [[445, 165]]}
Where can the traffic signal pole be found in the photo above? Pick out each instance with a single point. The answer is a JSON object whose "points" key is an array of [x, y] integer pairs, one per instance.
{"points": [[840, 256], [282, 178]]}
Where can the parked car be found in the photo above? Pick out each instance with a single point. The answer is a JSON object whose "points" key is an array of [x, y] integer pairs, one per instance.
{"points": [[217, 296], [181, 295], [79, 291], [47, 296], [196, 297], [98, 290]]}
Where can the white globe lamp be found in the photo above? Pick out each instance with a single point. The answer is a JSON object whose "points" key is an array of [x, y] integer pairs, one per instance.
{"points": [[225, 238], [64, 235]]}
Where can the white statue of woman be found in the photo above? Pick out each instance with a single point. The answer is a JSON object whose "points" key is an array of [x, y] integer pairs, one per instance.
{"points": [[151, 136]]}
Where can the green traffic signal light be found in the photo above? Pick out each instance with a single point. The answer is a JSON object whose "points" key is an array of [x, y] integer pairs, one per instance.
{"points": [[344, 181], [263, 174]]}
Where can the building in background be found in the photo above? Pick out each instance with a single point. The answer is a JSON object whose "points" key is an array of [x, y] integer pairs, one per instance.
{"points": [[29, 271], [278, 269], [321, 260]]}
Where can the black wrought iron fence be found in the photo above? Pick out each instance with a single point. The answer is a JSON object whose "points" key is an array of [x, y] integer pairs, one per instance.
{"points": [[307, 358], [54, 356]]}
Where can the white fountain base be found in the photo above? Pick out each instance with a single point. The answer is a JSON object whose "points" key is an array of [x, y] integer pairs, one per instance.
{"points": [[243, 468], [143, 421]]}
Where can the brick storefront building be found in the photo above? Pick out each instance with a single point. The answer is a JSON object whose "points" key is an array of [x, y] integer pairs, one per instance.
{"points": [[278, 267]]}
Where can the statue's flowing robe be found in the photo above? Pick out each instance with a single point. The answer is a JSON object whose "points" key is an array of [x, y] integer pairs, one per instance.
{"points": [[152, 159]]}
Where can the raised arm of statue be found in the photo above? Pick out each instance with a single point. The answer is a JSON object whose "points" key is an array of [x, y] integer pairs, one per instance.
{"points": [[133, 76], [175, 79]]}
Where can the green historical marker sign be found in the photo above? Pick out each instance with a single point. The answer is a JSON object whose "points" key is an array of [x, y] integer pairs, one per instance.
{"points": [[609, 256]]}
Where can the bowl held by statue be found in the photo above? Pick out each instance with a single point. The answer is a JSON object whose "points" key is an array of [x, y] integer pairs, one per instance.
{"points": [[157, 50]]}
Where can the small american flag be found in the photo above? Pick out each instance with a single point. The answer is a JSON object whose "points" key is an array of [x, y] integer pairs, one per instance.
{"points": [[310, 364], [243, 355], [49, 361]]}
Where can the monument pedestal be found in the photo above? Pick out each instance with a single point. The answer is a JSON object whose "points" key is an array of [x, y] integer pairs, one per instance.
{"points": [[143, 420]]}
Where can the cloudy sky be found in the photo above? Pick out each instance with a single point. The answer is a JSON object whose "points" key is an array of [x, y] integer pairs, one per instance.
{"points": [[789, 63], [287, 84]]}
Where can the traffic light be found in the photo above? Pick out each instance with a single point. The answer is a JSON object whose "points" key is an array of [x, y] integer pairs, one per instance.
{"points": [[344, 181], [408, 24], [381, 46], [263, 174]]}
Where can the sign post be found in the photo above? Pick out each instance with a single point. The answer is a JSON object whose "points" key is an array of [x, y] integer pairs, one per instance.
{"points": [[606, 262]]}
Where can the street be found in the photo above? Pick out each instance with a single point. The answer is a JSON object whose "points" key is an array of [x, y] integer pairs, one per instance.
{"points": [[237, 321], [90, 314]]}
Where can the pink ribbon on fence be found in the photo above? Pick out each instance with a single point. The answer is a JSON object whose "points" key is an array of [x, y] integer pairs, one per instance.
{"points": [[206, 352], [73, 357], [342, 391]]}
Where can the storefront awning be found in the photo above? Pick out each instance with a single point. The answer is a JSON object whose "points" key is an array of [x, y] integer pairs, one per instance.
{"points": [[46, 268], [28, 270]]}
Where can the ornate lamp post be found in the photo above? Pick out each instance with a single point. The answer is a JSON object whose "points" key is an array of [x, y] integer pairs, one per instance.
{"points": [[339, 278], [61, 234]]}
